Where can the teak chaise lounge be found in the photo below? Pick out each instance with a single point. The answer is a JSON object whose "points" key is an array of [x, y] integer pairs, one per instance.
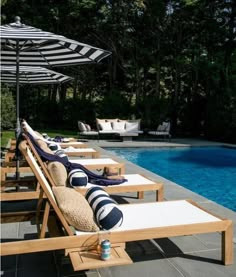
{"points": [[8, 166], [70, 151], [92, 164], [168, 219], [74, 144]]}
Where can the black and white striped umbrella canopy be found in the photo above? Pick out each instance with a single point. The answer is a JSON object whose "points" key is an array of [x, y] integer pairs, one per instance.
{"points": [[23, 45], [39, 48], [32, 75]]}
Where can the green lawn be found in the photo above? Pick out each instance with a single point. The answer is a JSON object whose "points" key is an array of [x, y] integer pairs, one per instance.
{"points": [[6, 135]]}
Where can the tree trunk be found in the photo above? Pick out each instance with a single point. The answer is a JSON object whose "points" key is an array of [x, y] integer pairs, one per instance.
{"points": [[174, 100], [158, 69], [75, 83]]}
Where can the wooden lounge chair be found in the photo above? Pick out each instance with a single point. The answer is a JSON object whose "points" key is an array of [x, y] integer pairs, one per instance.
{"points": [[74, 144], [92, 164], [81, 152], [165, 219], [100, 164], [70, 151]]}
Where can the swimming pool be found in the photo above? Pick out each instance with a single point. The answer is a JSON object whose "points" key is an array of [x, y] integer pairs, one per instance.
{"points": [[208, 171]]}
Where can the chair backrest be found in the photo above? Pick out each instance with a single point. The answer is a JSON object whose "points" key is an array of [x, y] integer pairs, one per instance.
{"points": [[44, 184], [39, 160]]}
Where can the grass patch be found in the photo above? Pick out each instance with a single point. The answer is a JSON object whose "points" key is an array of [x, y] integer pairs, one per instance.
{"points": [[5, 136]]}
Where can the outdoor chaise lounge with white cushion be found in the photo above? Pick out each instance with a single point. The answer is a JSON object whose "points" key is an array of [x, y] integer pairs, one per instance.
{"points": [[140, 222], [70, 151], [135, 183], [99, 163], [64, 144], [81, 152]]}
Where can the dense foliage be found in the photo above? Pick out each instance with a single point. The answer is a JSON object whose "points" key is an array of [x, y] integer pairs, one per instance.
{"points": [[170, 59], [8, 110]]}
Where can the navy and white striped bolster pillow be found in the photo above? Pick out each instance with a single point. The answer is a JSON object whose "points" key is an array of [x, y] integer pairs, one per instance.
{"points": [[77, 178], [106, 211], [54, 146], [61, 153]]}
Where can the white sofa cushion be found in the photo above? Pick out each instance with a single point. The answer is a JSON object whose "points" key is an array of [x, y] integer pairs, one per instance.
{"points": [[118, 125], [132, 126], [105, 126], [87, 126], [110, 131], [98, 121]]}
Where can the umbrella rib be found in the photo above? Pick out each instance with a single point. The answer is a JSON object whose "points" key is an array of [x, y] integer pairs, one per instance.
{"points": [[10, 45]]}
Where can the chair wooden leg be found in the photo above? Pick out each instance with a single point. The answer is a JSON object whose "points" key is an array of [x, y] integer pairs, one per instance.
{"points": [[45, 221], [140, 194], [38, 210], [160, 194], [227, 245]]}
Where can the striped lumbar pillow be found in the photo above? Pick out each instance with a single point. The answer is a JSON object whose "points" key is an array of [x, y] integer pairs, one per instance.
{"points": [[77, 178], [61, 153], [108, 215], [54, 146]]}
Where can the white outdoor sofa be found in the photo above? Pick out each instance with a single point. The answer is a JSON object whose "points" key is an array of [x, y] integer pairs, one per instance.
{"points": [[126, 129]]}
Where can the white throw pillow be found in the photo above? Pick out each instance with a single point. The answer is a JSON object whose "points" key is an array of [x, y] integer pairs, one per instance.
{"points": [[118, 125], [106, 126], [160, 128], [87, 126], [82, 126], [132, 126], [166, 126]]}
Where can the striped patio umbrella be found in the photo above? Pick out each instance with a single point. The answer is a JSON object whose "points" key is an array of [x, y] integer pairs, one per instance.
{"points": [[28, 46], [32, 75], [33, 47]]}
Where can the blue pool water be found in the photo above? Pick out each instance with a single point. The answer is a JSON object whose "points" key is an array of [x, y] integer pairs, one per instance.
{"points": [[208, 171]]}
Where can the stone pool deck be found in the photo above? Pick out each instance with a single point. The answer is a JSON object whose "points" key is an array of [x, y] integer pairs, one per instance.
{"points": [[190, 256]]}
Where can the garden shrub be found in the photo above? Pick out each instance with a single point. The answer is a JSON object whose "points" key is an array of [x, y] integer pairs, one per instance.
{"points": [[8, 110]]}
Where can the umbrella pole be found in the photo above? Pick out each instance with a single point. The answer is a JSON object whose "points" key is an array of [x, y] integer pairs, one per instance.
{"points": [[18, 129]]}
